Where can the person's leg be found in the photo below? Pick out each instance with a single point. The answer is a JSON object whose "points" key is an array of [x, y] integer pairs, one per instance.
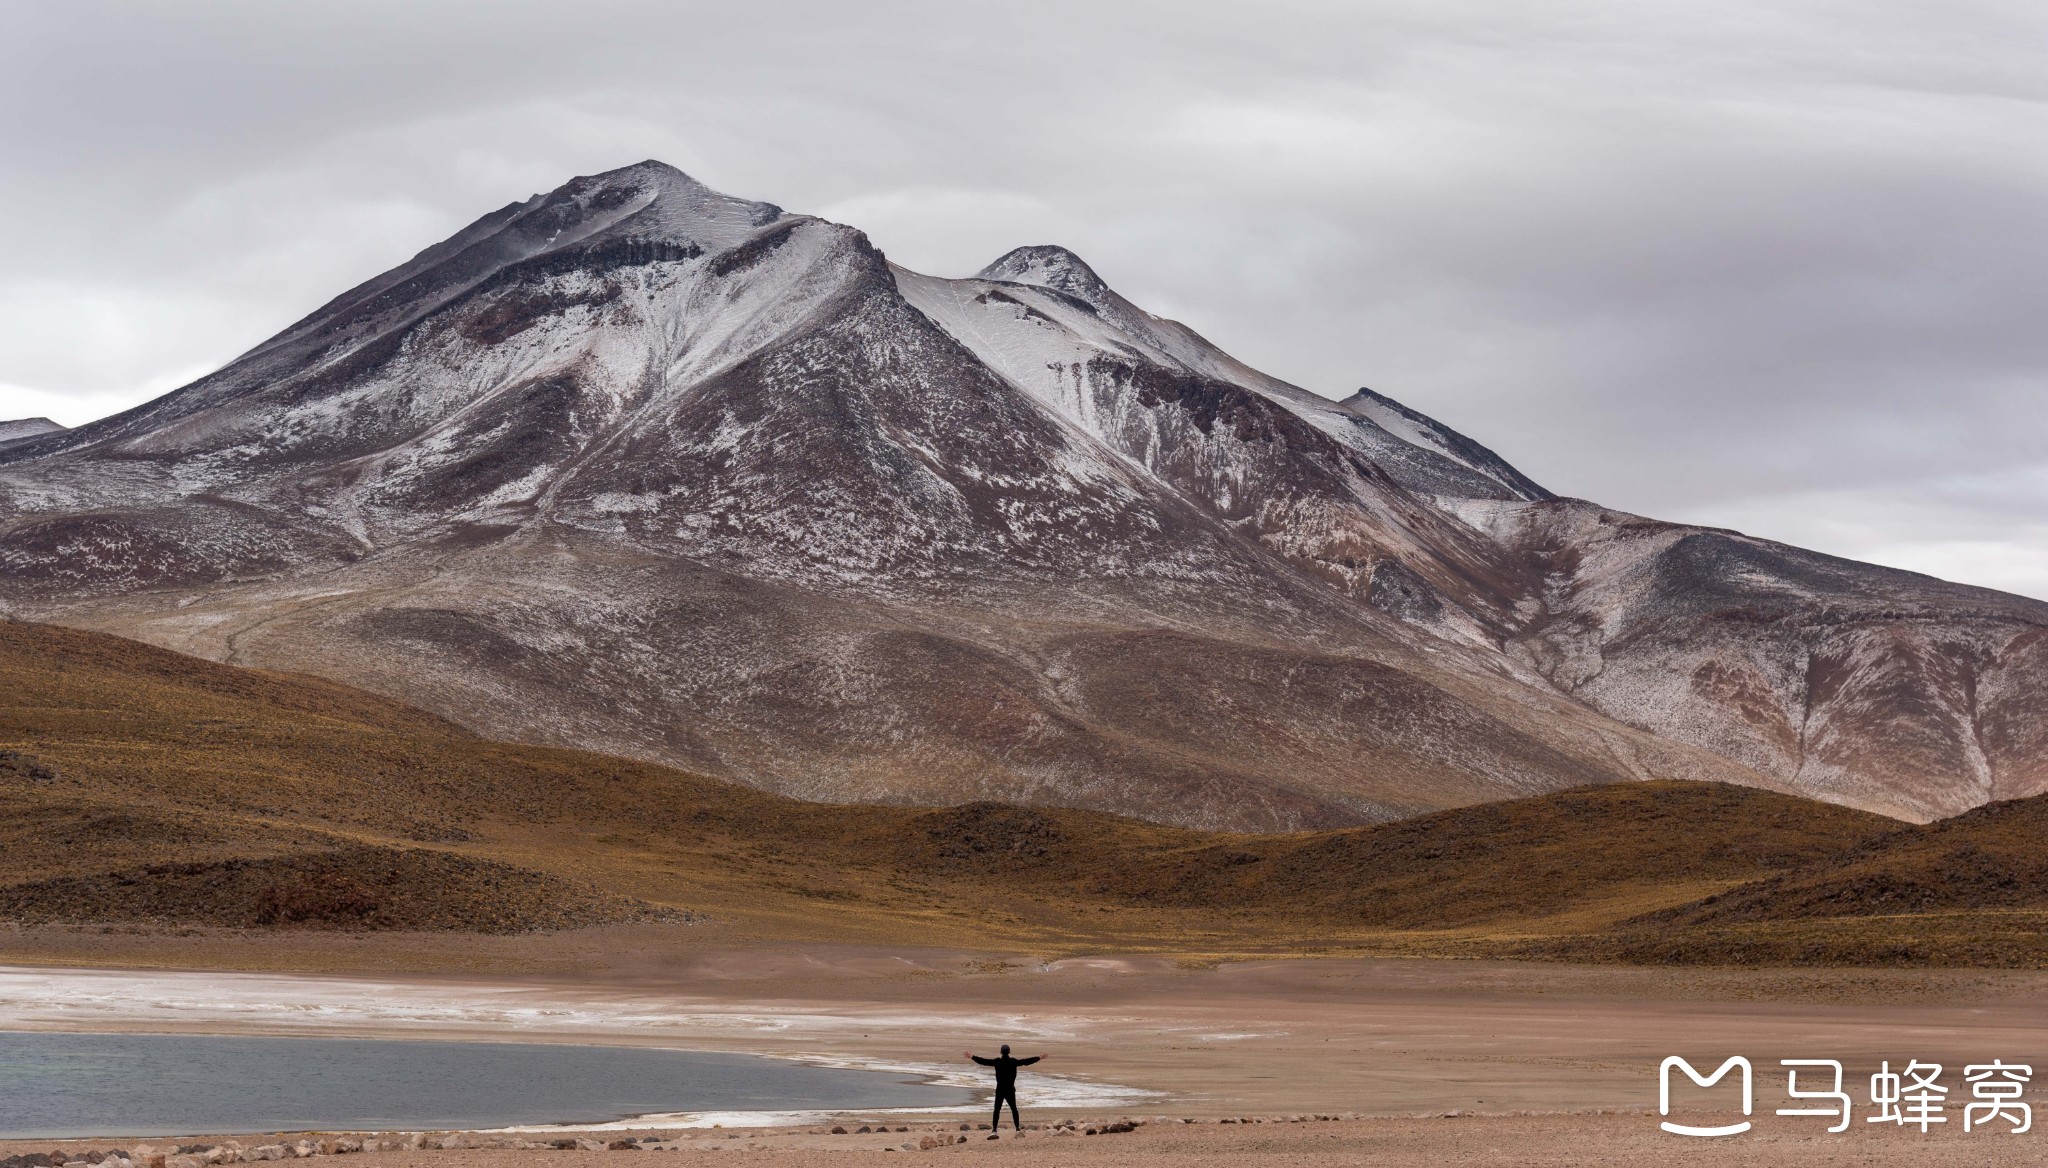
{"points": [[1015, 1123], [995, 1122]]}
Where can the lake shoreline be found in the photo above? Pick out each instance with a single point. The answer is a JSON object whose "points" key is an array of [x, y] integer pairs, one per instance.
{"points": [[82, 1085], [1385, 1038]]}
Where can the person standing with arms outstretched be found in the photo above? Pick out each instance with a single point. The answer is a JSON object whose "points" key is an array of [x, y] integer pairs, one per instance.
{"points": [[1006, 1085]]}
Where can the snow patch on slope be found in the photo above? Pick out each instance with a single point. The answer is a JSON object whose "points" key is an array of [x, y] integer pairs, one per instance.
{"points": [[1040, 314]]}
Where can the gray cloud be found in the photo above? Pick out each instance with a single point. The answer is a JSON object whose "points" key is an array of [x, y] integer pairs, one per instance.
{"points": [[1774, 266]]}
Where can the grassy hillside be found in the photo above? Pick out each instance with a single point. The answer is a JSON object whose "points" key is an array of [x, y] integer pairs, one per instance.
{"points": [[152, 790], [1964, 891]]}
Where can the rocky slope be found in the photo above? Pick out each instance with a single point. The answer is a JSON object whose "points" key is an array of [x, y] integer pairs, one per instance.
{"points": [[639, 467]]}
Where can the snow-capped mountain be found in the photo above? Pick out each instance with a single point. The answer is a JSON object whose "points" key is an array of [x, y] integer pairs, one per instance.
{"points": [[636, 466]]}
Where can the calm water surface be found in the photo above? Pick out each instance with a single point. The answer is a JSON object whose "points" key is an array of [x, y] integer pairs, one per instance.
{"points": [[54, 1085]]}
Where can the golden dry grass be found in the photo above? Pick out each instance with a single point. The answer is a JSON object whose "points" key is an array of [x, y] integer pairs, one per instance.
{"points": [[141, 785]]}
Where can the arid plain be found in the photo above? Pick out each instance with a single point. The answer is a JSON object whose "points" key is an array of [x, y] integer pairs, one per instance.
{"points": [[1487, 1062]]}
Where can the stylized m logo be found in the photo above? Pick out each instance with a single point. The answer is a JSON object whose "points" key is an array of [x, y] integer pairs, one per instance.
{"points": [[1664, 1095]]}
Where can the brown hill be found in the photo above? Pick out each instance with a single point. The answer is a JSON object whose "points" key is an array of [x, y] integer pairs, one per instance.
{"points": [[1496, 862], [142, 786], [1990, 858], [345, 888], [1514, 860], [1972, 890]]}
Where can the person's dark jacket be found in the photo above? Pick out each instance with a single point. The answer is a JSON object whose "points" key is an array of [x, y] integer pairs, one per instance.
{"points": [[1006, 1069]]}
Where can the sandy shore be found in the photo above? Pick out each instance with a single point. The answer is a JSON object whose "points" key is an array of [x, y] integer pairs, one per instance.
{"points": [[1546, 1140], [1397, 1040]]}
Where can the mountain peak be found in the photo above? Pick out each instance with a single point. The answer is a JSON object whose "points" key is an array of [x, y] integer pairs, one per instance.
{"points": [[645, 173], [656, 166], [1049, 266], [1423, 432], [654, 198], [28, 428]]}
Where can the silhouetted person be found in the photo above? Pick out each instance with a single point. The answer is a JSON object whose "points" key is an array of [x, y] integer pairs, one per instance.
{"points": [[1006, 1086]]}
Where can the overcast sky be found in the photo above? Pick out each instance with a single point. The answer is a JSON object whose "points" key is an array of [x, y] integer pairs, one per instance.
{"points": [[1777, 267]]}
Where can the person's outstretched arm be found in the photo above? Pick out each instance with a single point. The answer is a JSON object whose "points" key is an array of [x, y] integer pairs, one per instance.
{"points": [[1027, 1062], [979, 1059]]}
